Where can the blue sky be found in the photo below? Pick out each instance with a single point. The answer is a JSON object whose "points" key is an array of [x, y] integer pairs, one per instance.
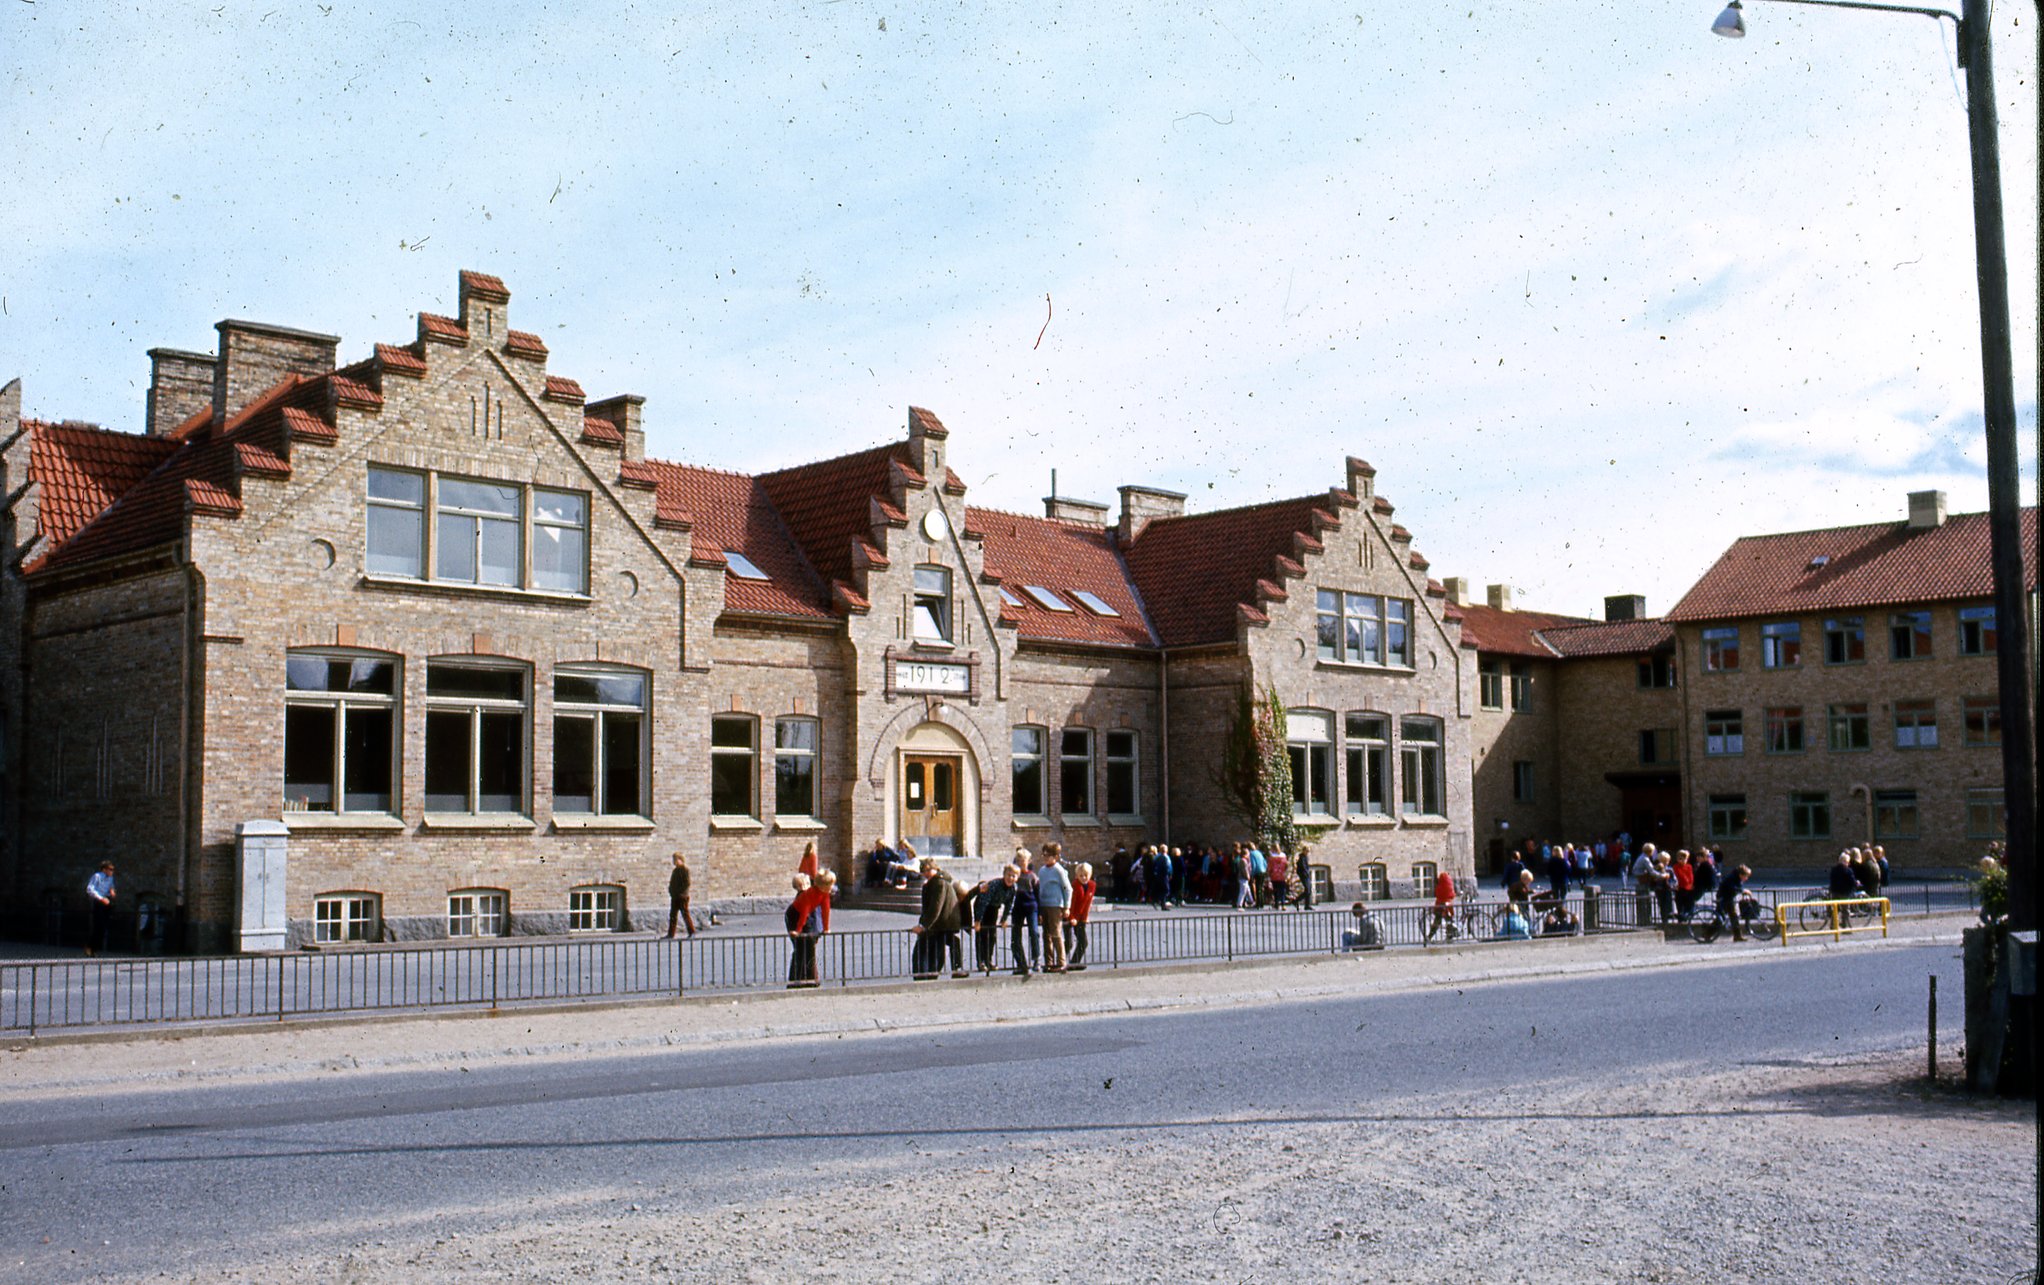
{"points": [[1594, 290]]}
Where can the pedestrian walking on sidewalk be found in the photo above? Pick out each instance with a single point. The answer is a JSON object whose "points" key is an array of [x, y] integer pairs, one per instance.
{"points": [[677, 898]]}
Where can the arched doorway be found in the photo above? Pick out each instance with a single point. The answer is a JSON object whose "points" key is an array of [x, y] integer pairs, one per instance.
{"points": [[936, 792]]}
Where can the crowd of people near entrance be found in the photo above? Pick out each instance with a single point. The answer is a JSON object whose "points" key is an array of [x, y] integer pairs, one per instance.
{"points": [[1245, 876]]}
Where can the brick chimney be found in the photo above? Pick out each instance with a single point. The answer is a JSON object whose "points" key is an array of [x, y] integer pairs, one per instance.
{"points": [[625, 411], [1501, 597], [1065, 508], [1625, 606], [1362, 479], [1457, 589], [180, 386], [254, 357], [1142, 505], [1926, 510]]}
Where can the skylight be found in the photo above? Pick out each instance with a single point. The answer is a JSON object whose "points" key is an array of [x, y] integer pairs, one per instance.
{"points": [[743, 567], [1091, 601], [1046, 597], [1008, 596]]}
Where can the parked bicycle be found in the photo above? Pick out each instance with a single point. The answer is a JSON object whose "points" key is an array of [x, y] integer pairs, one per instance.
{"points": [[1853, 912], [1709, 922]]}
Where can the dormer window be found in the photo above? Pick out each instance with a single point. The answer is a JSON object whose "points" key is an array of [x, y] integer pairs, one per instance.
{"points": [[744, 568], [933, 604], [1092, 602], [1046, 597]]}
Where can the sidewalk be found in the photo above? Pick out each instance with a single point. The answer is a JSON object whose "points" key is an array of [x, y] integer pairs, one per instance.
{"points": [[54, 1066]]}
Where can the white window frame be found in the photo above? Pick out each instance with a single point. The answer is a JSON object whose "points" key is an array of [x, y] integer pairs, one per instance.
{"points": [[1123, 755], [796, 759], [729, 753], [341, 917], [1490, 685], [601, 714], [1361, 627], [342, 704], [931, 607], [1368, 743], [478, 912], [476, 708], [596, 908], [425, 525], [1375, 878], [1421, 764], [1309, 741], [403, 519]]}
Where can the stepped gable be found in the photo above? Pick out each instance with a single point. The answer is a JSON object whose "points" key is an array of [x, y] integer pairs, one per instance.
{"points": [[1197, 573], [1882, 564], [200, 468], [1512, 633], [828, 508], [1609, 638], [1061, 556], [81, 469], [730, 512]]}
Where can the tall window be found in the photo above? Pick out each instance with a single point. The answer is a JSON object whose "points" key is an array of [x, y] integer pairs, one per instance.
{"points": [[397, 523], [1657, 671], [795, 767], [1309, 736], [1784, 729], [1522, 685], [1894, 814], [1075, 771], [1522, 780], [1983, 720], [1845, 640], [1025, 770], [344, 916], [475, 737], [933, 604], [1849, 727], [1727, 816], [476, 912], [596, 908], [1909, 635], [340, 733], [1916, 725], [1369, 764], [1977, 634], [1809, 815], [600, 742], [480, 533], [1781, 644], [1721, 649], [734, 765], [1364, 629], [1122, 798], [1420, 763], [1724, 731], [1490, 684], [1985, 817]]}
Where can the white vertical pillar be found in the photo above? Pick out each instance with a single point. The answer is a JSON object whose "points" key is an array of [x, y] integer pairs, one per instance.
{"points": [[261, 852]]}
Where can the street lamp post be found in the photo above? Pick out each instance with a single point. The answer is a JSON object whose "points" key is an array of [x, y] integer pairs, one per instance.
{"points": [[2004, 487]]}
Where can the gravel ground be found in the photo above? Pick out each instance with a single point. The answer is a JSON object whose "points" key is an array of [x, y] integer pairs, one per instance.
{"points": [[1819, 1171]]}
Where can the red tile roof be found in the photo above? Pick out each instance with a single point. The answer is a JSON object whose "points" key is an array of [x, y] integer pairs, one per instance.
{"points": [[523, 343], [828, 507], [82, 470], [1886, 563], [433, 325], [404, 360], [562, 389], [1060, 556], [731, 512], [601, 431], [1511, 633], [485, 286], [1610, 638], [1197, 574]]}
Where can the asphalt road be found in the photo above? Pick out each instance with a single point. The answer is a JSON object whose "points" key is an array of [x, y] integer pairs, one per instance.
{"points": [[175, 1179]]}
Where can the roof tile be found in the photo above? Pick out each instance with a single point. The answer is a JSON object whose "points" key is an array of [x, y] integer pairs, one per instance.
{"points": [[1195, 572], [523, 343], [1610, 638], [1511, 633], [1061, 556]]}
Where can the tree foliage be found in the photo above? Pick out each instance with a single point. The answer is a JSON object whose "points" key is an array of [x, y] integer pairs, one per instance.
{"points": [[1255, 772]]}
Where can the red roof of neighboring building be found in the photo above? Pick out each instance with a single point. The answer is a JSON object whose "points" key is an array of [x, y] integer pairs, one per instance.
{"points": [[1609, 638], [1885, 563], [1198, 573], [730, 512], [1511, 633], [1060, 556], [83, 469]]}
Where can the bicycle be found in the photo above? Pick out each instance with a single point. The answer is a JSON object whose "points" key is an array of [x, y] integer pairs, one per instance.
{"points": [[1854, 911], [1708, 923]]}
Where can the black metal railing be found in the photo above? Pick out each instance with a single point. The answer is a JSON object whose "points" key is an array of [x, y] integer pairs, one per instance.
{"points": [[50, 995]]}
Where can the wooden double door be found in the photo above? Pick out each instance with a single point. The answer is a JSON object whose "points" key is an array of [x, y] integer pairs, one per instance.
{"points": [[932, 818]]}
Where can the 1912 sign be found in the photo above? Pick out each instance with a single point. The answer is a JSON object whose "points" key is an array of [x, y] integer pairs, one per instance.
{"points": [[922, 676]]}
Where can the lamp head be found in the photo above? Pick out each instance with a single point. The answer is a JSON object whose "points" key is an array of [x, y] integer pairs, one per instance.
{"points": [[1732, 22]]}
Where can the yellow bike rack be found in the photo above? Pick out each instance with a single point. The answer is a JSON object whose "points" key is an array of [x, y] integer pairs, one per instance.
{"points": [[1837, 925]]}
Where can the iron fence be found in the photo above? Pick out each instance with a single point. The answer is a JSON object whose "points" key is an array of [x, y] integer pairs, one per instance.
{"points": [[49, 995]]}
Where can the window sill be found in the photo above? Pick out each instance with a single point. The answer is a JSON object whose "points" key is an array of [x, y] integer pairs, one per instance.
{"points": [[1032, 821], [932, 644], [365, 821], [1082, 823], [1124, 819], [799, 825], [1372, 820], [503, 821], [592, 821], [1423, 822], [1363, 666], [1315, 819], [736, 825], [456, 589]]}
